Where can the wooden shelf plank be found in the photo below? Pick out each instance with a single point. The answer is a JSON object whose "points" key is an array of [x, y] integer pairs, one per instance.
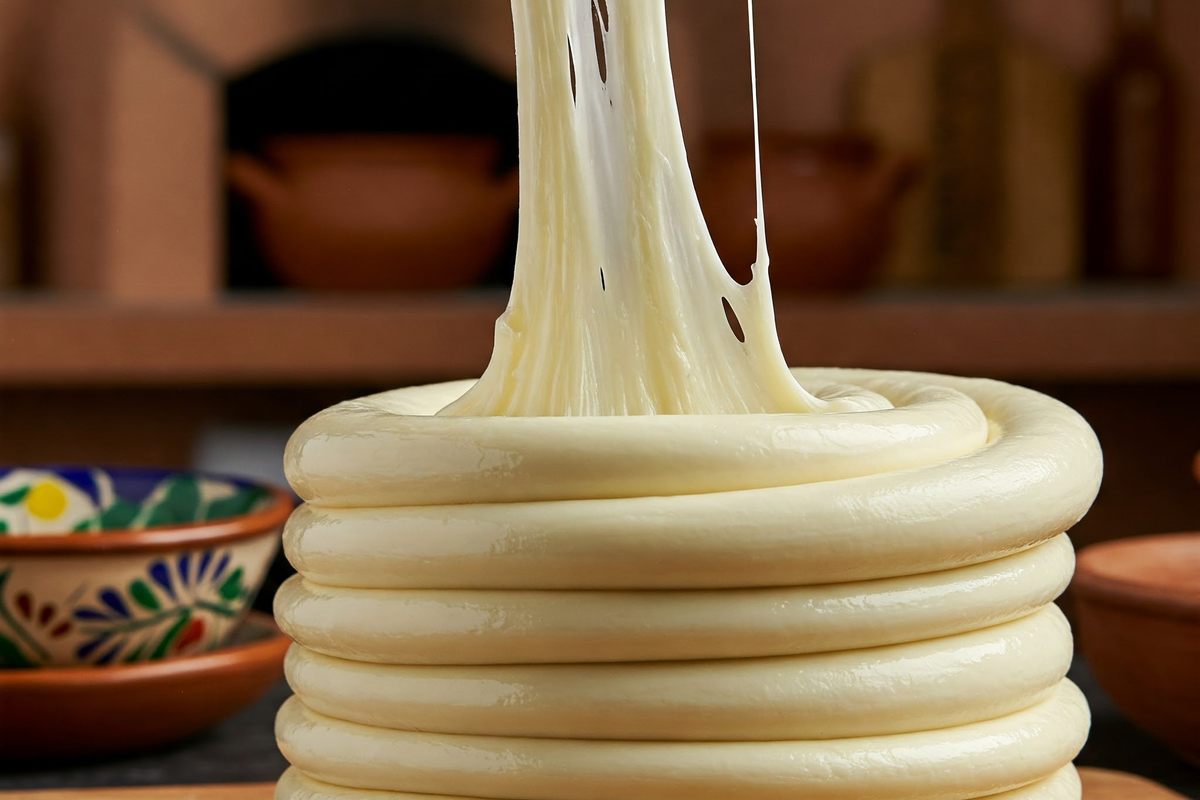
{"points": [[396, 339], [1059, 337], [246, 342]]}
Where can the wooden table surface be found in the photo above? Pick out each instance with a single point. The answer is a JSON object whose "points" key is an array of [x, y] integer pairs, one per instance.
{"points": [[1098, 785], [1103, 784]]}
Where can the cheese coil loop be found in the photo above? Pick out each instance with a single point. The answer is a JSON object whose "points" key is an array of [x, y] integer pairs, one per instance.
{"points": [[390, 449], [1033, 480], [295, 785], [957, 763], [950, 681], [512, 627]]}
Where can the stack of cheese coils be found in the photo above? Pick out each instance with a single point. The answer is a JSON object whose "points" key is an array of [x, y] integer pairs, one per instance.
{"points": [[849, 605]]}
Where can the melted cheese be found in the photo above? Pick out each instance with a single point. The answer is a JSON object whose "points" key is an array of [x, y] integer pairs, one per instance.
{"points": [[617, 305], [637, 559]]}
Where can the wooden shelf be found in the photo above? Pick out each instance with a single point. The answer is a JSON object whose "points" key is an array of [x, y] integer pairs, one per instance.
{"points": [[51, 340]]}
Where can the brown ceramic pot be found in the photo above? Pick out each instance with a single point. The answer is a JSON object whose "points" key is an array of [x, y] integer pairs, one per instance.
{"points": [[378, 212], [828, 202], [62, 712], [1138, 607]]}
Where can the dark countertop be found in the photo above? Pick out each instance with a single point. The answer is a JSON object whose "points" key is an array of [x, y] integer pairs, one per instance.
{"points": [[243, 750]]}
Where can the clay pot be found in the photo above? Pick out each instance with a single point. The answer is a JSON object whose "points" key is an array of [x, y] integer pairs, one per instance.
{"points": [[378, 212], [828, 201], [1138, 605]]}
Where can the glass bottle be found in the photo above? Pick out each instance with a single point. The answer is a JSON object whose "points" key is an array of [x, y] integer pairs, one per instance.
{"points": [[9, 208], [1133, 116], [968, 148]]}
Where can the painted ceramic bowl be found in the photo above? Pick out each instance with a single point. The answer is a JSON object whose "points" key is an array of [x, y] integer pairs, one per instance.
{"points": [[106, 566], [68, 712]]}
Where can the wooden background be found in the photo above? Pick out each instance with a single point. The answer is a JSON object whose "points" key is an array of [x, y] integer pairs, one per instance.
{"points": [[145, 350], [805, 50]]}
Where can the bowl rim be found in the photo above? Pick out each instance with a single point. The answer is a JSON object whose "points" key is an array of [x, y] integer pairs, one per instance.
{"points": [[162, 538], [269, 648], [1094, 587]]}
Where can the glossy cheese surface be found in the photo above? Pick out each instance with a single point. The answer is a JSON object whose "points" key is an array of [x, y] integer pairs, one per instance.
{"points": [[1032, 477], [443, 626], [949, 764], [899, 688], [639, 558], [1063, 784]]}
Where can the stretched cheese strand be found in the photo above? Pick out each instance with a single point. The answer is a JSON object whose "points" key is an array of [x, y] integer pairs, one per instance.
{"points": [[617, 305]]}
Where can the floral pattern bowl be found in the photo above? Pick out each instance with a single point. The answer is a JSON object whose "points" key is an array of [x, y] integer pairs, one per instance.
{"points": [[120, 565]]}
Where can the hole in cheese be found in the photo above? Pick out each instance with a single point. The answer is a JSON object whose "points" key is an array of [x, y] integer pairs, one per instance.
{"points": [[735, 324]]}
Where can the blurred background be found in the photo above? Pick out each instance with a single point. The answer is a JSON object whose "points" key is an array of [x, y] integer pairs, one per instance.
{"points": [[219, 216]]}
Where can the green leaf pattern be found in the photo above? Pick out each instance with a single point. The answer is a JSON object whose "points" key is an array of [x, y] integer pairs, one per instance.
{"points": [[180, 499], [175, 606], [15, 496], [11, 655], [142, 595], [171, 635]]}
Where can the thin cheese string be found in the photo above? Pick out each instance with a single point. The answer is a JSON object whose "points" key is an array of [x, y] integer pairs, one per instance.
{"points": [[762, 259], [606, 190]]}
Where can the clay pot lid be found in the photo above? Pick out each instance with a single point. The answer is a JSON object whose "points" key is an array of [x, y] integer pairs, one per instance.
{"points": [[1159, 573]]}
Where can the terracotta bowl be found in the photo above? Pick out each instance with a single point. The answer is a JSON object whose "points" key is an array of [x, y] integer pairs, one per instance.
{"points": [[62, 712], [102, 566], [1138, 607]]}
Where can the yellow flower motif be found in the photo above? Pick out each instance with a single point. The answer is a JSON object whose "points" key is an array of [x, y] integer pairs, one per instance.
{"points": [[46, 501]]}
